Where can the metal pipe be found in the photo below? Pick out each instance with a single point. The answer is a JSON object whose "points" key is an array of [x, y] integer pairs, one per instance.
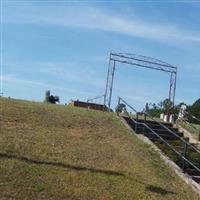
{"points": [[111, 86], [142, 60]]}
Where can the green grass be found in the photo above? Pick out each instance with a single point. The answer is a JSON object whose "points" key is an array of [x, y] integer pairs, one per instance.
{"points": [[178, 145], [58, 152], [192, 128]]}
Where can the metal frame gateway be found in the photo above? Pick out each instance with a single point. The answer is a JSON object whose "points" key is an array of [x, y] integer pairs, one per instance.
{"points": [[140, 61]]}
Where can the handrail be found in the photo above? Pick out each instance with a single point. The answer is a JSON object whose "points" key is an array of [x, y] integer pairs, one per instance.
{"points": [[190, 125], [184, 141], [163, 140], [95, 98], [192, 116], [174, 150], [173, 133], [182, 119]]}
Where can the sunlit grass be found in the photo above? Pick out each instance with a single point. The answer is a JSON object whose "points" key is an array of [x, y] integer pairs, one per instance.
{"points": [[192, 128], [58, 152]]}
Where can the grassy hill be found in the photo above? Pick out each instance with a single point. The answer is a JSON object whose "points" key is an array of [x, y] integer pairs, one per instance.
{"points": [[192, 128], [58, 152]]}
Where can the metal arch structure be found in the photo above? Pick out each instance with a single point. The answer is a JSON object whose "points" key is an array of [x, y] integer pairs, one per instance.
{"points": [[140, 61]]}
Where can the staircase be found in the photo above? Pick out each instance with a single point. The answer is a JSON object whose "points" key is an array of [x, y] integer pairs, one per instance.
{"points": [[169, 139], [140, 129]]}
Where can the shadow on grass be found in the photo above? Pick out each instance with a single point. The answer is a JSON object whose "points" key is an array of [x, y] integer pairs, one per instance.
{"points": [[150, 187], [60, 164], [158, 190]]}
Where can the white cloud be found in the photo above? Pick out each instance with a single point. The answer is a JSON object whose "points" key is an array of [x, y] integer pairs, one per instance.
{"points": [[7, 77], [82, 17], [75, 72], [12, 78]]}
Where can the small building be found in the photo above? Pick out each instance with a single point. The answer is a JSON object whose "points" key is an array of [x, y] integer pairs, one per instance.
{"points": [[88, 105]]}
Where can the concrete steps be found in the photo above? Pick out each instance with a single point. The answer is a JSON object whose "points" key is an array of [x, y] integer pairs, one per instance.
{"points": [[173, 137], [195, 175]]}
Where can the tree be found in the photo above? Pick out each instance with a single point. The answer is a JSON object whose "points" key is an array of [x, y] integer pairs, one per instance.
{"points": [[120, 108], [50, 98], [155, 111], [194, 109], [167, 106], [161, 107]]}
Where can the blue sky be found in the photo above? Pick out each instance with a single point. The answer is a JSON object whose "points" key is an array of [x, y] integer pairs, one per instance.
{"points": [[64, 46]]}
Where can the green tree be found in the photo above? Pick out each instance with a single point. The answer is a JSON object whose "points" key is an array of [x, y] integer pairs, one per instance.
{"points": [[120, 107], [167, 106], [194, 109], [50, 98]]}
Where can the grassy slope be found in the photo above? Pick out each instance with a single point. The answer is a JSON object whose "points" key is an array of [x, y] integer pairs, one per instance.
{"points": [[191, 129], [57, 152]]}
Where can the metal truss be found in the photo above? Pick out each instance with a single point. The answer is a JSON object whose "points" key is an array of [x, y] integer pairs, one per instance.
{"points": [[140, 61]]}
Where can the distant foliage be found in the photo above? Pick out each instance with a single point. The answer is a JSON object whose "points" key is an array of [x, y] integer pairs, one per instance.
{"points": [[167, 106], [162, 107], [194, 109], [120, 108], [50, 98], [156, 109]]}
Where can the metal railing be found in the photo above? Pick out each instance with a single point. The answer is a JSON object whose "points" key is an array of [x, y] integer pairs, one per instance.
{"points": [[159, 123], [190, 125], [192, 116], [182, 155], [183, 120], [97, 99]]}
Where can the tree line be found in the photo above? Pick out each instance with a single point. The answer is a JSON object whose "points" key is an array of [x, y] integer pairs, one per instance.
{"points": [[162, 107]]}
